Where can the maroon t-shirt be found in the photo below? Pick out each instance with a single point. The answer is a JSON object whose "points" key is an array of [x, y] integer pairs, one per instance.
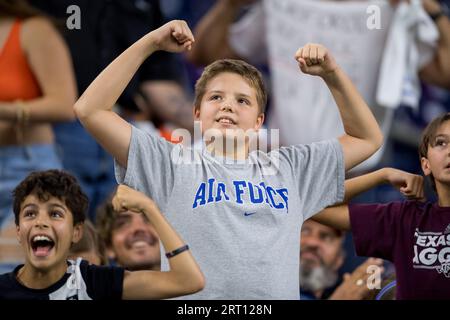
{"points": [[415, 237]]}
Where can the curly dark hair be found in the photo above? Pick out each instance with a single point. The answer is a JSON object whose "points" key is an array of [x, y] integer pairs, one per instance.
{"points": [[56, 183]]}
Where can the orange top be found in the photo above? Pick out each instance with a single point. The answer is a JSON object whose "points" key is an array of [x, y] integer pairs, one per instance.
{"points": [[17, 81], [167, 134]]}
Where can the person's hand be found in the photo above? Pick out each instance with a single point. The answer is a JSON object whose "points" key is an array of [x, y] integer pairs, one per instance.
{"points": [[431, 6], [174, 36], [128, 199], [410, 185], [314, 59], [355, 286]]}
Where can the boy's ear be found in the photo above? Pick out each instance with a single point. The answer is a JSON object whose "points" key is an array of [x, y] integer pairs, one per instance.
{"points": [[18, 234], [259, 121], [196, 112], [77, 232], [425, 163]]}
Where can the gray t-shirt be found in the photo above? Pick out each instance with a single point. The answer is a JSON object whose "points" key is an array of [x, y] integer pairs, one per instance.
{"points": [[242, 225]]}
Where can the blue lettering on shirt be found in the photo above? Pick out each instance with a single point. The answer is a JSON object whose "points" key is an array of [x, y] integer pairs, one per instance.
{"points": [[251, 189], [239, 185], [244, 192], [200, 195]]}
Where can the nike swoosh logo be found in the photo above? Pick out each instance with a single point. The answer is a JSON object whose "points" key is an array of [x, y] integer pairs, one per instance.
{"points": [[248, 213]]}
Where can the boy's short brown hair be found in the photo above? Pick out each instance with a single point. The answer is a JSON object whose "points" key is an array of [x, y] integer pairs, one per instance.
{"points": [[56, 183], [428, 137], [245, 70]]}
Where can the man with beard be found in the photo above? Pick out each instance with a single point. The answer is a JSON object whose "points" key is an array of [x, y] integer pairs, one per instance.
{"points": [[130, 240], [322, 254]]}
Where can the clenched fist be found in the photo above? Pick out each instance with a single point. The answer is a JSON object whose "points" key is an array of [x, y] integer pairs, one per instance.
{"points": [[128, 199], [315, 59], [174, 36]]}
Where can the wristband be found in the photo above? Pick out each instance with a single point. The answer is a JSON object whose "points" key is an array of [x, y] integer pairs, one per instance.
{"points": [[175, 252]]}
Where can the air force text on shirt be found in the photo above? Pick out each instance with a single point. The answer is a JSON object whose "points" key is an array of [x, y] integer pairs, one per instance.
{"points": [[242, 192]]}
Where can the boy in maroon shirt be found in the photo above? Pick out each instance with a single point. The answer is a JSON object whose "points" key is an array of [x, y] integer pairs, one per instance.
{"points": [[414, 235]]}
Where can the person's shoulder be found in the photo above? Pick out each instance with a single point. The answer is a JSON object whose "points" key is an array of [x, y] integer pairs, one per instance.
{"points": [[6, 284], [307, 150], [87, 268], [407, 208], [92, 273], [102, 282], [416, 205], [36, 25], [5, 277], [393, 206], [321, 144], [433, 207], [35, 30]]}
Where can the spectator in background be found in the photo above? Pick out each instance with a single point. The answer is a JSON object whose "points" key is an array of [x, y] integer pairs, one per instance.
{"points": [[90, 247], [108, 28], [130, 239], [322, 254], [412, 234], [49, 210], [37, 88]]}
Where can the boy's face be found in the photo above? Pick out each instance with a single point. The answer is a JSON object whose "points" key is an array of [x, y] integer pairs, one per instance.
{"points": [[438, 156], [229, 103], [46, 231], [135, 244]]}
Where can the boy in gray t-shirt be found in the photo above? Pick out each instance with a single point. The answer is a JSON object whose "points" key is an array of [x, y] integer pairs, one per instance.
{"points": [[240, 210]]}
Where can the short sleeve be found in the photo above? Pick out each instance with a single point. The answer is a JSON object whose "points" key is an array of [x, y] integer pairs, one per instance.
{"points": [[319, 173], [103, 282], [149, 167], [375, 228]]}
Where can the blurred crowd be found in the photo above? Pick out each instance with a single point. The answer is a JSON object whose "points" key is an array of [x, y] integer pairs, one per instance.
{"points": [[51, 50]]}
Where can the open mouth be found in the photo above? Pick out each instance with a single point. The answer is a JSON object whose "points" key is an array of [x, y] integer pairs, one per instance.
{"points": [[139, 245], [42, 245], [226, 121], [141, 242]]}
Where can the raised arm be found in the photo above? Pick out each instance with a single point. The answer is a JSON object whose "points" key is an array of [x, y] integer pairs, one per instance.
{"points": [[437, 72], [212, 32], [362, 136], [410, 185], [184, 276], [94, 108]]}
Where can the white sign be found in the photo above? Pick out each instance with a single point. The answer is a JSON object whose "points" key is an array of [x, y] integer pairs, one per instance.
{"points": [[304, 109]]}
